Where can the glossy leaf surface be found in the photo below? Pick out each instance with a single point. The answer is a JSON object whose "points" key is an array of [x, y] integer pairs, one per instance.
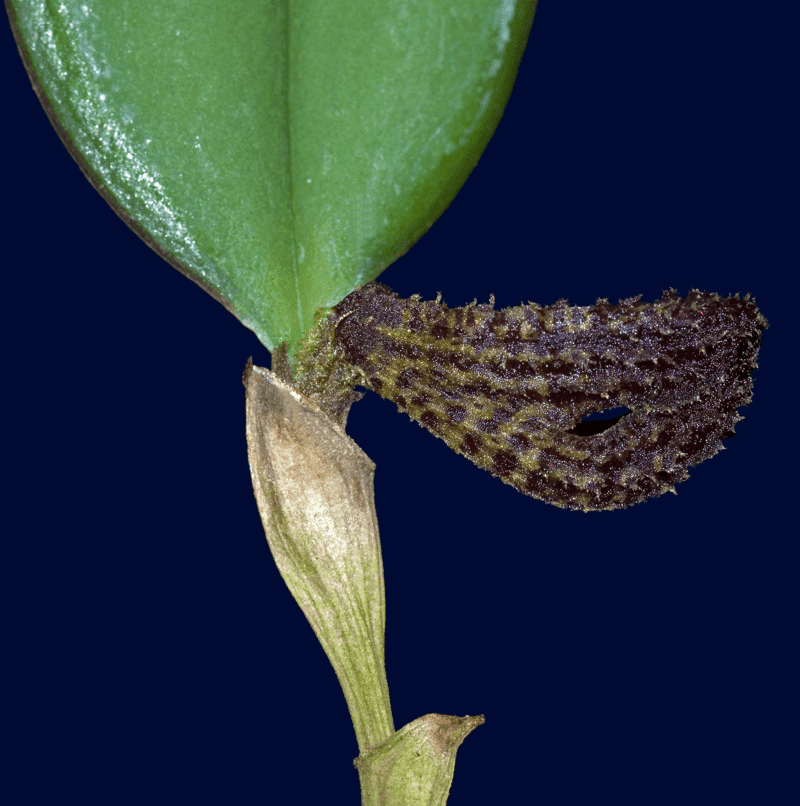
{"points": [[277, 153]]}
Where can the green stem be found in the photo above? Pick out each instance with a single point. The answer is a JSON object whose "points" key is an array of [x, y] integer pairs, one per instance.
{"points": [[314, 491]]}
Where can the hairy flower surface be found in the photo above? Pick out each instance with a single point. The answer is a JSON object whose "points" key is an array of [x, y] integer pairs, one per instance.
{"points": [[509, 388]]}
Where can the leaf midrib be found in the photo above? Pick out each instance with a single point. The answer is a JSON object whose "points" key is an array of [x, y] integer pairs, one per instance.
{"points": [[287, 117]]}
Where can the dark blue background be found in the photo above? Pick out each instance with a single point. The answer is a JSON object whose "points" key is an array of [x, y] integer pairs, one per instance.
{"points": [[637, 657]]}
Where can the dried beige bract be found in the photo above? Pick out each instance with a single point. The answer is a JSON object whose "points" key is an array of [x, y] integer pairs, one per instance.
{"points": [[314, 489], [414, 767]]}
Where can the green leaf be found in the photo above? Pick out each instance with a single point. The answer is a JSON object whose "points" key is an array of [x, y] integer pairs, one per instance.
{"points": [[278, 153]]}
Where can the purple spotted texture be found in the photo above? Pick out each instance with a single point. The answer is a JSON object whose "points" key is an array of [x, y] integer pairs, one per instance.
{"points": [[509, 388]]}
